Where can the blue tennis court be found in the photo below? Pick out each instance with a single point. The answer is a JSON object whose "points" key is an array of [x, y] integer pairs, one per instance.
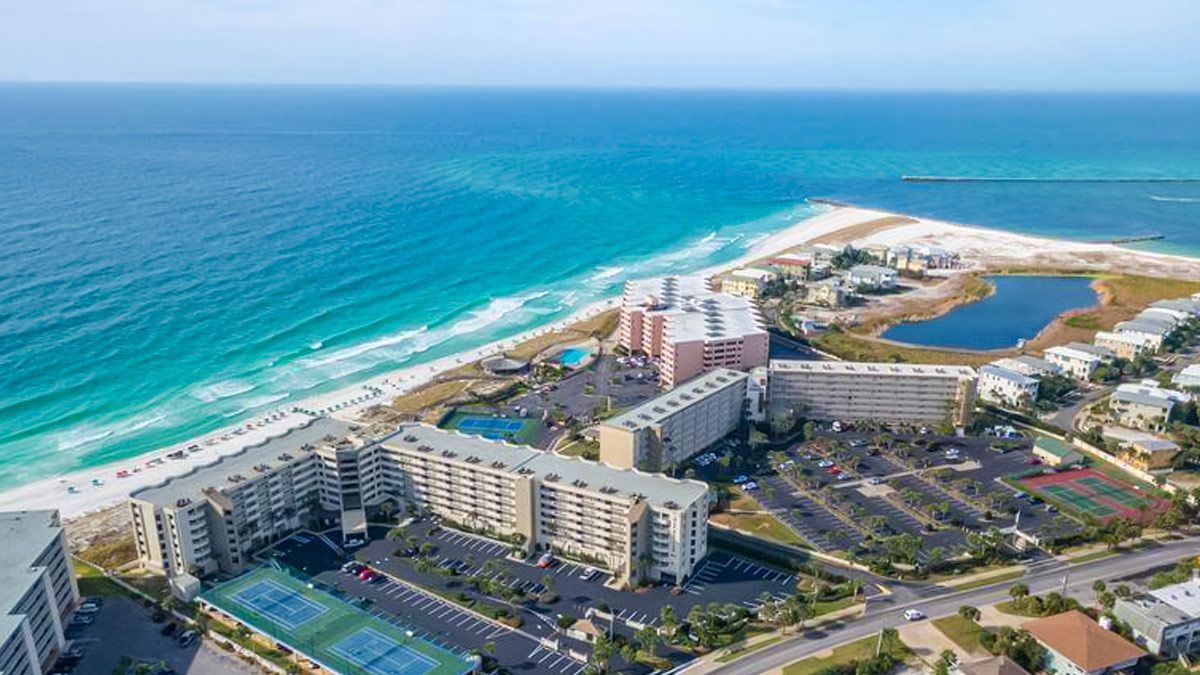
{"points": [[379, 654], [279, 604], [486, 424]]}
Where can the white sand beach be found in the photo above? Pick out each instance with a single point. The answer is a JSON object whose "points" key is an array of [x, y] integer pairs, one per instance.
{"points": [[99, 487]]}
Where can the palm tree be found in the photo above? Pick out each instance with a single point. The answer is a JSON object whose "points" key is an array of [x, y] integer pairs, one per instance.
{"points": [[1018, 591]]}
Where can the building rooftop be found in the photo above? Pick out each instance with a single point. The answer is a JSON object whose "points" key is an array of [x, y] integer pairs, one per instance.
{"points": [[1153, 445], [1054, 447], [753, 273], [1127, 338], [872, 271], [658, 409], [1144, 612], [27, 534], [1179, 304], [1143, 325], [1081, 351], [1184, 596], [871, 369], [1006, 374], [656, 489], [997, 665], [692, 310], [1148, 394], [246, 463], [1192, 371], [1081, 640]]}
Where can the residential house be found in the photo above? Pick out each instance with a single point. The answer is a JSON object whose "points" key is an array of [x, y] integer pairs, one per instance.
{"points": [[1126, 345], [747, 282], [1078, 359], [1076, 645], [1144, 405], [1028, 365], [826, 293], [997, 665], [871, 278], [1006, 387], [1189, 377], [1158, 627], [792, 265], [1151, 454]]}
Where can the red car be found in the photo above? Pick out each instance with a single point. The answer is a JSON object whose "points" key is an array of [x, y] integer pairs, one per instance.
{"points": [[366, 575], [833, 471]]}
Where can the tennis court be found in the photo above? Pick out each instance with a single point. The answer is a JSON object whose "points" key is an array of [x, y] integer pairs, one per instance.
{"points": [[279, 604], [381, 655], [1094, 494], [493, 428], [327, 629]]}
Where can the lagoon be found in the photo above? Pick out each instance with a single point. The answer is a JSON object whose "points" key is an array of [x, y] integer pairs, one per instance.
{"points": [[1019, 308]]}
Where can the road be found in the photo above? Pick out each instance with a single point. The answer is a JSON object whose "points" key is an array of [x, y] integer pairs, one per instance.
{"points": [[1044, 576]]}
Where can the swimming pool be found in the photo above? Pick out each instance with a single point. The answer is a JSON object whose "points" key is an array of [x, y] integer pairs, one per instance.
{"points": [[574, 357]]}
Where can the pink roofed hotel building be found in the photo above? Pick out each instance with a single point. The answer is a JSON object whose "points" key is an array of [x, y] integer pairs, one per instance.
{"points": [[691, 329]]}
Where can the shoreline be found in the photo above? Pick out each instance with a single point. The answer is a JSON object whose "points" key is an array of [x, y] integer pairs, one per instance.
{"points": [[982, 246]]}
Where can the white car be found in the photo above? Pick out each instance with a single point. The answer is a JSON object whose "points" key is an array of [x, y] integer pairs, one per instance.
{"points": [[913, 615]]}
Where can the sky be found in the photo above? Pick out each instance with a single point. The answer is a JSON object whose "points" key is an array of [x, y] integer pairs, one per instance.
{"points": [[847, 44]]}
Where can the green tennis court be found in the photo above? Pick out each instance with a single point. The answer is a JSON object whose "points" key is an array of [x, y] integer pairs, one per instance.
{"points": [[515, 430], [1091, 493], [328, 630]]}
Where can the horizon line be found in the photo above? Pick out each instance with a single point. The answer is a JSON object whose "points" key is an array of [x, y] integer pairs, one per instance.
{"points": [[601, 87]]}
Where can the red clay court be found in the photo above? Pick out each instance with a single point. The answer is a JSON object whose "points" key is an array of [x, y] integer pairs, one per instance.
{"points": [[1095, 494]]}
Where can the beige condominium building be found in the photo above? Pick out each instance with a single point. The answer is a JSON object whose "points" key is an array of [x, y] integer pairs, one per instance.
{"points": [[638, 525], [216, 517], [37, 591], [690, 328], [667, 430], [885, 392]]}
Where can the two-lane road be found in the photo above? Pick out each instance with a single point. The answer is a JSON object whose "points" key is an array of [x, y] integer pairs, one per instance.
{"points": [[1042, 578]]}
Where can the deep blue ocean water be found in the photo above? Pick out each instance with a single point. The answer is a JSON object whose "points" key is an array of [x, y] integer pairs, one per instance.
{"points": [[175, 258], [1019, 308]]}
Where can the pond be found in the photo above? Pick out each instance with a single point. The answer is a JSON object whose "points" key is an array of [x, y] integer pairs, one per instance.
{"points": [[1018, 310]]}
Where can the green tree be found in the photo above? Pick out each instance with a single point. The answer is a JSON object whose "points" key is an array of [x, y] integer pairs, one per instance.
{"points": [[970, 613]]}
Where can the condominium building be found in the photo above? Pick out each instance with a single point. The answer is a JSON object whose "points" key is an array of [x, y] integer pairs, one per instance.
{"points": [[666, 430], [886, 392], [691, 328], [214, 518], [37, 591], [1028, 365], [747, 282], [1005, 387], [1078, 359], [636, 524]]}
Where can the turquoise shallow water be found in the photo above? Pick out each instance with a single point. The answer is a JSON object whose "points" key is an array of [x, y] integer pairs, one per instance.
{"points": [[1018, 309], [176, 258]]}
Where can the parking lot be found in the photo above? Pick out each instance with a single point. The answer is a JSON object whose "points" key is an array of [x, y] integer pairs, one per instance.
{"points": [[123, 628], [921, 474], [426, 614], [721, 578]]}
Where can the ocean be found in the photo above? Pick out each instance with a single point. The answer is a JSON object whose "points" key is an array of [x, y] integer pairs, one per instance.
{"points": [[176, 258]]}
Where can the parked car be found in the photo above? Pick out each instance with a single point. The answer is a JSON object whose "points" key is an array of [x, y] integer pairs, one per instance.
{"points": [[589, 573], [187, 638], [738, 480], [546, 560], [750, 487]]}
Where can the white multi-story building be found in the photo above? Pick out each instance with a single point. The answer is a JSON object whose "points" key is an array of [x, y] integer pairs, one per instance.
{"points": [[667, 430], [639, 525], [214, 518], [691, 328], [1078, 359], [1028, 365], [37, 591], [1144, 405], [747, 282], [1006, 387], [885, 392], [871, 277]]}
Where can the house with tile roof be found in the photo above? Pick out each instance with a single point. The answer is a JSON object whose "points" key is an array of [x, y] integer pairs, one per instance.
{"points": [[1076, 645]]}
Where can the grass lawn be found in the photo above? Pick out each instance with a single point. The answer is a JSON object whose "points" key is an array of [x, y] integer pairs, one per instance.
{"points": [[738, 653], [963, 632], [762, 525], [1094, 555], [93, 582], [823, 607], [863, 648], [1008, 607], [581, 448], [429, 396], [853, 347], [987, 580]]}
